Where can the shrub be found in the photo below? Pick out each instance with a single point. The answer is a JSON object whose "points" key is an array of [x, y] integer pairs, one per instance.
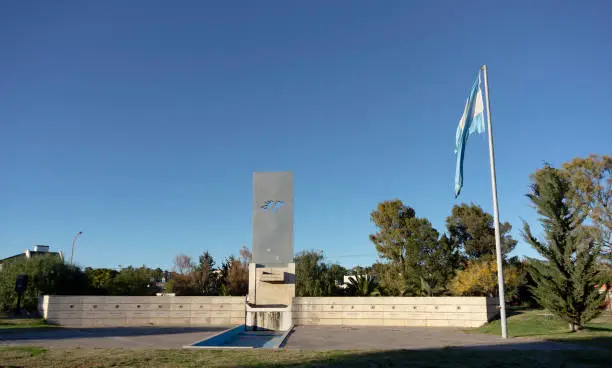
{"points": [[480, 279], [47, 274]]}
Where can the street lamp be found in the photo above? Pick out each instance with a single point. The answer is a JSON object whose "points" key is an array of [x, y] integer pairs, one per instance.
{"points": [[74, 241]]}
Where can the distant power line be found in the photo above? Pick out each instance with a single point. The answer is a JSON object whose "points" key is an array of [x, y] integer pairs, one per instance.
{"points": [[353, 256]]}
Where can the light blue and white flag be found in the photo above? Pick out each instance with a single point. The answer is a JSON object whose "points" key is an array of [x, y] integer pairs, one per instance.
{"points": [[472, 121]]}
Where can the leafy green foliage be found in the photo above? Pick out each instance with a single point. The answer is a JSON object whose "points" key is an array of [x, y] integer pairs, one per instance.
{"points": [[590, 196], [566, 279], [472, 229], [133, 281], [315, 278], [362, 285], [388, 274], [100, 280], [137, 281], [523, 296], [204, 276], [47, 274], [415, 251], [479, 278], [310, 277]]}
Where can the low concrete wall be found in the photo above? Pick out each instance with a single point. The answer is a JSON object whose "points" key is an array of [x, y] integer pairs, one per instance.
{"points": [[395, 311], [107, 311]]}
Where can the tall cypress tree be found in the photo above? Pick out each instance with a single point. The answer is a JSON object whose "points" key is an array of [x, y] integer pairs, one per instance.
{"points": [[566, 279]]}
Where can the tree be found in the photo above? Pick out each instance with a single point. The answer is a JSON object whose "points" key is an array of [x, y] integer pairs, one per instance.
{"points": [[314, 277], [133, 281], [360, 270], [245, 254], [203, 276], [47, 274], [183, 285], [523, 295], [309, 274], [334, 277], [566, 278], [390, 275], [424, 260], [237, 279], [590, 195], [472, 229], [362, 285], [479, 278], [183, 264], [157, 274], [437, 267], [100, 279]]}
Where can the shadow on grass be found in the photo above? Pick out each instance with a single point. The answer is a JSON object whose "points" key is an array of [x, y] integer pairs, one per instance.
{"points": [[598, 328], [53, 333], [513, 312], [529, 354], [520, 354]]}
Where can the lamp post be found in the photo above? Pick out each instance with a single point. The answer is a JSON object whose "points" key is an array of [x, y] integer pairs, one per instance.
{"points": [[73, 242]]}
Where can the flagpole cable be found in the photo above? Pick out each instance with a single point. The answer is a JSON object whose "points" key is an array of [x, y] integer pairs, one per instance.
{"points": [[498, 251]]}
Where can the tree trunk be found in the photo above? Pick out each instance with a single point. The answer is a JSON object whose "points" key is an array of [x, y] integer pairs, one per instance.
{"points": [[572, 327]]}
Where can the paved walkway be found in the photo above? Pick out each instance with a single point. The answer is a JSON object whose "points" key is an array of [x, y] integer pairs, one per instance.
{"points": [[393, 338], [117, 337], [303, 337]]}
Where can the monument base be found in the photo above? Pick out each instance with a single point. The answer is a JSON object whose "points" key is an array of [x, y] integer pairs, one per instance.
{"points": [[268, 317], [270, 299]]}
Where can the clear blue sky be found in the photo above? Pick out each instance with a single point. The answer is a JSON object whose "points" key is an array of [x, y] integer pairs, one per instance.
{"points": [[141, 122]]}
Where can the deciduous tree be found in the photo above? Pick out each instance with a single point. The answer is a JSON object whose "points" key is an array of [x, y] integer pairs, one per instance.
{"points": [[183, 264], [479, 278], [237, 281]]}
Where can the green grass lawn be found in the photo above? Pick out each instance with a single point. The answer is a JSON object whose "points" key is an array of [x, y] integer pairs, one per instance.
{"points": [[542, 325], [445, 358], [9, 324]]}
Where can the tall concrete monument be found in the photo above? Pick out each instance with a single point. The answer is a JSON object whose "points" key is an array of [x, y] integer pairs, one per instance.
{"points": [[272, 271], [273, 218]]}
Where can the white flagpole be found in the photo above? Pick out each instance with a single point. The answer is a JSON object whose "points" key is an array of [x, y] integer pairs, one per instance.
{"points": [[500, 272]]}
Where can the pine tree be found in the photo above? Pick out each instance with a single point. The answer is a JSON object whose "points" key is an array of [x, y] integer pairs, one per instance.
{"points": [[566, 279]]}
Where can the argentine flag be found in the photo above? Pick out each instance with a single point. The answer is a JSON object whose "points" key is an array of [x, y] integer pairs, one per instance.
{"points": [[472, 121]]}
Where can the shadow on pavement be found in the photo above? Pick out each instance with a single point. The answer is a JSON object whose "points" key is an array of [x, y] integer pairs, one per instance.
{"points": [[77, 333]]}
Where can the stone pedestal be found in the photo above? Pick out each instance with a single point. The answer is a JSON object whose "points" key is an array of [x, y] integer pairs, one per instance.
{"points": [[268, 318], [270, 298]]}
